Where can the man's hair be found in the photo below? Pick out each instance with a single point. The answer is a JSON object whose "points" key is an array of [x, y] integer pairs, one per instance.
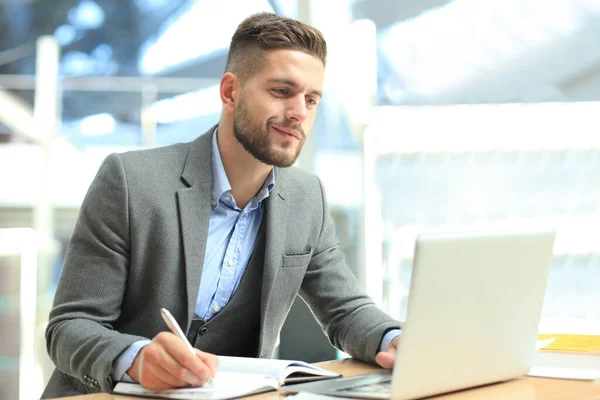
{"points": [[266, 31]]}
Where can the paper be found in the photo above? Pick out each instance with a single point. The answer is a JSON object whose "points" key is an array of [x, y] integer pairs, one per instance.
{"points": [[279, 369], [541, 344], [566, 365], [225, 385], [311, 396], [565, 373], [566, 342]]}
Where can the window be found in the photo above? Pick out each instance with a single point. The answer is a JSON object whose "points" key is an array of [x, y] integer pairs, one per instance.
{"points": [[456, 168]]}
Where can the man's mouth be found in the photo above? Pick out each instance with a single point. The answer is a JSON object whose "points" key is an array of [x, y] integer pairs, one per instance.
{"points": [[289, 131]]}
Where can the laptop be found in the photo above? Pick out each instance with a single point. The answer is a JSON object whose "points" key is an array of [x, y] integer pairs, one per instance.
{"points": [[473, 313]]}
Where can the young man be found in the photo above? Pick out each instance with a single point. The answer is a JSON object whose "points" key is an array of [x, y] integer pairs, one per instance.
{"points": [[218, 231]]}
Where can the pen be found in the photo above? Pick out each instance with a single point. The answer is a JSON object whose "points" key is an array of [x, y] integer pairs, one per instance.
{"points": [[174, 327]]}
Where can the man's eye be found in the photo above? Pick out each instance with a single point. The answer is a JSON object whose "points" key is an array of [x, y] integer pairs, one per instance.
{"points": [[281, 91], [312, 102]]}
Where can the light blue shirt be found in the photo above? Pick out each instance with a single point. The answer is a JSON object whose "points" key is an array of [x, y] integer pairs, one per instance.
{"points": [[387, 339], [232, 233]]}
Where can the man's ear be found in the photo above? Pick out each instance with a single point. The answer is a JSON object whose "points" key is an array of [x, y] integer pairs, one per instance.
{"points": [[229, 91]]}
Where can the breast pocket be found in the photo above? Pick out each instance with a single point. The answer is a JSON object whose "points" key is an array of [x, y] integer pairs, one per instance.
{"points": [[297, 260]]}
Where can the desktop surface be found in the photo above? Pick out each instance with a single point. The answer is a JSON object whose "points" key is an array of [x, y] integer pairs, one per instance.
{"points": [[525, 388]]}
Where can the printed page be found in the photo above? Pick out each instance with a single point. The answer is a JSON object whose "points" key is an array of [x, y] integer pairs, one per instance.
{"points": [[225, 385], [278, 369]]}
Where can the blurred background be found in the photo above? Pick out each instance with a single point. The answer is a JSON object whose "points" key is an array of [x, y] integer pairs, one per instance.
{"points": [[436, 116]]}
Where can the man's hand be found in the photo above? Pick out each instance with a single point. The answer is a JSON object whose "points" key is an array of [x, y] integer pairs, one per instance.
{"points": [[386, 359], [166, 363]]}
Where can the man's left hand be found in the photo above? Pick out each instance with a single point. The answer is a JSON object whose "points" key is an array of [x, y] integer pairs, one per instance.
{"points": [[386, 359]]}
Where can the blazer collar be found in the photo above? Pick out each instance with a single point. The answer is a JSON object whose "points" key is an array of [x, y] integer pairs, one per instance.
{"points": [[198, 164], [194, 214]]}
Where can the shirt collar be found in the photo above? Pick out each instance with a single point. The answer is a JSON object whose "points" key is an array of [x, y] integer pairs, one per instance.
{"points": [[221, 183]]}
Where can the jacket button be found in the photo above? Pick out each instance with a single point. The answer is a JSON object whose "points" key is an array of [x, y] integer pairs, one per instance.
{"points": [[203, 330]]}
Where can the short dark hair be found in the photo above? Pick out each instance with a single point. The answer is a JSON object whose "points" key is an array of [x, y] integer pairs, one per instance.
{"points": [[267, 31]]}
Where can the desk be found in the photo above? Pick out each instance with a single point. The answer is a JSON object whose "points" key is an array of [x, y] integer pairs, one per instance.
{"points": [[525, 388]]}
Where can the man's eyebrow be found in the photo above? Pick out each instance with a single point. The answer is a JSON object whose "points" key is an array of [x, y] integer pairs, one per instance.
{"points": [[291, 83]]}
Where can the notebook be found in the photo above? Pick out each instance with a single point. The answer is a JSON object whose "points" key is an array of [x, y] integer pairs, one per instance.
{"points": [[473, 314], [237, 377]]}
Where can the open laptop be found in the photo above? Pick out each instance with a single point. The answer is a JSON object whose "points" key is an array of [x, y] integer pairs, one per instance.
{"points": [[473, 314]]}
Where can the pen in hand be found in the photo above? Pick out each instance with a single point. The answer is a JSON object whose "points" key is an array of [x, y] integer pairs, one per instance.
{"points": [[174, 327]]}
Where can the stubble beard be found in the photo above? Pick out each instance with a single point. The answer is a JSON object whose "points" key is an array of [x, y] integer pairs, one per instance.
{"points": [[257, 141]]}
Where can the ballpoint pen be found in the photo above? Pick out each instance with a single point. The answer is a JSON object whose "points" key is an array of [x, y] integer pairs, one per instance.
{"points": [[174, 327]]}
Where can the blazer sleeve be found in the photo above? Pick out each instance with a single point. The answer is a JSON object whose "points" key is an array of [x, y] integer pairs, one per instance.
{"points": [[80, 337], [348, 316]]}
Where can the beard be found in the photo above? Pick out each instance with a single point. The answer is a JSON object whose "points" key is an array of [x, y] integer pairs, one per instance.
{"points": [[257, 141]]}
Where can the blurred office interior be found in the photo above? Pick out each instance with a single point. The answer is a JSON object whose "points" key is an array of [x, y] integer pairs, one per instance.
{"points": [[437, 116]]}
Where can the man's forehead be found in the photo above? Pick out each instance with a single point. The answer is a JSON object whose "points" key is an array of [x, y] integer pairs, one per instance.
{"points": [[294, 66]]}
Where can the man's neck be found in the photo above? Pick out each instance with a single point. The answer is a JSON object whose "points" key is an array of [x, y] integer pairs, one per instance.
{"points": [[245, 173]]}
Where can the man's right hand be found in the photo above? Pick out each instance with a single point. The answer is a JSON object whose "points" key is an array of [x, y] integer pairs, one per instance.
{"points": [[167, 363]]}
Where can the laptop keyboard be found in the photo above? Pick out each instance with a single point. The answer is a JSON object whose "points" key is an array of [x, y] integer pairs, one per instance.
{"points": [[384, 386]]}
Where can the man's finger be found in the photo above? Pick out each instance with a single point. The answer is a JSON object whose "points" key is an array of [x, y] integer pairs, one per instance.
{"points": [[154, 379], [393, 344], [210, 360], [177, 376], [385, 359], [159, 361], [182, 355]]}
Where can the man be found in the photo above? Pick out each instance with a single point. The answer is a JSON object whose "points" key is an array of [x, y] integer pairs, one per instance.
{"points": [[218, 231]]}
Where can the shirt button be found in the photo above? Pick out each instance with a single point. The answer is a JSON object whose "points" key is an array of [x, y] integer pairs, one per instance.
{"points": [[213, 202], [228, 198], [230, 262], [217, 308]]}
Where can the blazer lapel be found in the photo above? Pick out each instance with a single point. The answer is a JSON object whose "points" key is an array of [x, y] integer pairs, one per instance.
{"points": [[276, 219], [194, 214]]}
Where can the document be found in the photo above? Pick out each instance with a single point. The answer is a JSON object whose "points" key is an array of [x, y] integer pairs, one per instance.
{"points": [[582, 366], [542, 344], [237, 377]]}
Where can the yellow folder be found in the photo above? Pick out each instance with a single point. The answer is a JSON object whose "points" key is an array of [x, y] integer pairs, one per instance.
{"points": [[584, 343]]}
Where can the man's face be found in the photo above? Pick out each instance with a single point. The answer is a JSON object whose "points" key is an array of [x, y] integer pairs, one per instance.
{"points": [[277, 106]]}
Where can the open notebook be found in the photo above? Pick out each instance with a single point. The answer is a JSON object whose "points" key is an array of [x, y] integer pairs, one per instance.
{"points": [[238, 377]]}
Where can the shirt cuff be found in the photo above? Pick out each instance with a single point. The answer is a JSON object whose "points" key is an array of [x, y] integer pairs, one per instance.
{"points": [[388, 337], [125, 360]]}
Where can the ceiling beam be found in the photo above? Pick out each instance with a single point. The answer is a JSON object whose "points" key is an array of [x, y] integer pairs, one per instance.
{"points": [[112, 83], [18, 116]]}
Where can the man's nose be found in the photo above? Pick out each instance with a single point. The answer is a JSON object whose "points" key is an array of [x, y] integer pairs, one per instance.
{"points": [[296, 109]]}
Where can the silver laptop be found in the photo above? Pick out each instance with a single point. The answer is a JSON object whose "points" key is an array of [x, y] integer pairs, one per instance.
{"points": [[473, 314]]}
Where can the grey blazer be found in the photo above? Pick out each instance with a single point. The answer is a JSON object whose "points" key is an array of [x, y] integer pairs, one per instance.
{"points": [[139, 245]]}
